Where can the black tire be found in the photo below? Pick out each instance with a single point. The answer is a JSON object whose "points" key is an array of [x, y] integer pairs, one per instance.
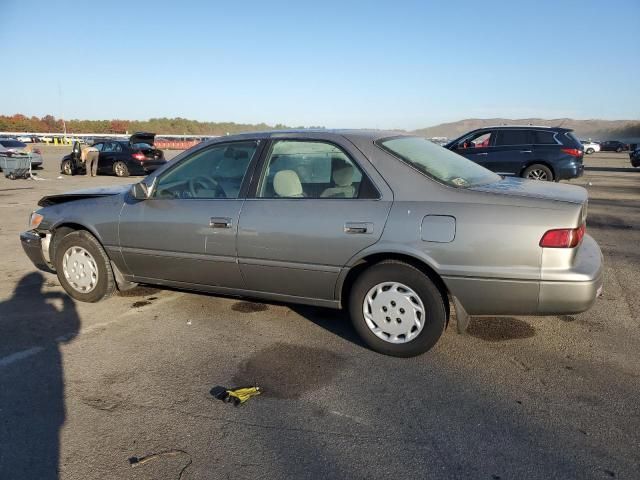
{"points": [[435, 318], [120, 169], [618, 150], [67, 167], [589, 151], [537, 171], [105, 284]]}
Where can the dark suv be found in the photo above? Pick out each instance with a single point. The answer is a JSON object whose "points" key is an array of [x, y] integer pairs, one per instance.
{"points": [[537, 153], [613, 146], [122, 157]]}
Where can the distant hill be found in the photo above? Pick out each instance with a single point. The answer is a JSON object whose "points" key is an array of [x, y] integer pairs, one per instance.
{"points": [[594, 129]]}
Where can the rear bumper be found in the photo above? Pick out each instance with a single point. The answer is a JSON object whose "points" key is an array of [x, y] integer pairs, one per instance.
{"points": [[569, 170], [33, 246], [573, 290]]}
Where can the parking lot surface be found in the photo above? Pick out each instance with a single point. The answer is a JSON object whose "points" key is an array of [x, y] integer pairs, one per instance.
{"points": [[121, 389]]}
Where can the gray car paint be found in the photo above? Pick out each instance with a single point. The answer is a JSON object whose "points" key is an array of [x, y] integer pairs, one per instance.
{"points": [[297, 250]]}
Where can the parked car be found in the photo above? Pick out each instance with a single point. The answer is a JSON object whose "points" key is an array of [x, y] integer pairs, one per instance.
{"points": [[590, 147], [387, 226], [634, 156], [536, 153], [122, 157], [613, 146], [10, 147]]}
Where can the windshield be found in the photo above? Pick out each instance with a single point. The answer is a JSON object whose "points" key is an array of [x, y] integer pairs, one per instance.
{"points": [[438, 162]]}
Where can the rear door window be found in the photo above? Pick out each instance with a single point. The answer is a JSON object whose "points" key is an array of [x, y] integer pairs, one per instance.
{"points": [[505, 138]]}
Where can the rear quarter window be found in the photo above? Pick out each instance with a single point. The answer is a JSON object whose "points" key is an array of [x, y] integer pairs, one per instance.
{"points": [[541, 137], [572, 140]]}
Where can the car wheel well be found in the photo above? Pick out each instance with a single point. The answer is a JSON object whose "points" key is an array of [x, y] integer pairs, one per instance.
{"points": [[373, 259], [62, 231]]}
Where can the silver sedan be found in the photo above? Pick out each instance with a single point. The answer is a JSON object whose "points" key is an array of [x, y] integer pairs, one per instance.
{"points": [[391, 227]]}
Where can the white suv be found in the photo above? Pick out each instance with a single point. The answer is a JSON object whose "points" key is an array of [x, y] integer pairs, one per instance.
{"points": [[590, 147]]}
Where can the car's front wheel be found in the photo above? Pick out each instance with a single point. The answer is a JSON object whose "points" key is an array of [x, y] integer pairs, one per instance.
{"points": [[538, 172], [121, 169], [83, 267], [590, 151], [397, 310]]}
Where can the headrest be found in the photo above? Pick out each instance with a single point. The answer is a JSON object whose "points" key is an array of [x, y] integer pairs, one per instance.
{"points": [[343, 175], [286, 183], [241, 155]]}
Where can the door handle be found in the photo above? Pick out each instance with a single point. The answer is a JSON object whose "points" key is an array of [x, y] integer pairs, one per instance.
{"points": [[525, 151], [358, 227], [483, 154], [220, 222]]}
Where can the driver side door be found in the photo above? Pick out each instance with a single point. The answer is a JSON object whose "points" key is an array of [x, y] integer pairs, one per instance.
{"points": [[186, 232]]}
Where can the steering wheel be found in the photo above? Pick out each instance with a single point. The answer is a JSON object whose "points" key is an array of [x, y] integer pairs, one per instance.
{"points": [[204, 183]]}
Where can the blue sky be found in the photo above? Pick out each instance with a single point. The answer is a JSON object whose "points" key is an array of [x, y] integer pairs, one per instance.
{"points": [[401, 64]]}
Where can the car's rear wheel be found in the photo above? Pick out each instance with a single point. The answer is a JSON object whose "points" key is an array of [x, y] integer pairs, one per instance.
{"points": [[538, 172], [121, 169], [590, 151], [67, 167], [83, 267], [396, 309], [618, 150]]}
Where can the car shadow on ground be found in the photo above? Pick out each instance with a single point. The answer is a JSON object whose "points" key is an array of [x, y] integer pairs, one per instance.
{"points": [[334, 321], [33, 325]]}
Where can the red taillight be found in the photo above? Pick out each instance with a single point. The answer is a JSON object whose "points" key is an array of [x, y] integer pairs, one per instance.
{"points": [[563, 237], [138, 156], [574, 152]]}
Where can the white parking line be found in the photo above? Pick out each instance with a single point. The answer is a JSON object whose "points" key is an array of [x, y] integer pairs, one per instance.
{"points": [[14, 357]]}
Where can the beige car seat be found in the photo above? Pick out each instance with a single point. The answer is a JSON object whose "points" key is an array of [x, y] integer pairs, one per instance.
{"points": [[343, 181], [286, 183]]}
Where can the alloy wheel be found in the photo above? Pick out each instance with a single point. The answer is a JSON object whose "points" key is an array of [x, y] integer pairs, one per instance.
{"points": [[537, 174]]}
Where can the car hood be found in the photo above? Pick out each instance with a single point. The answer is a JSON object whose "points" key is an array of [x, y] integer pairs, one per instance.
{"points": [[142, 137], [81, 194], [519, 187]]}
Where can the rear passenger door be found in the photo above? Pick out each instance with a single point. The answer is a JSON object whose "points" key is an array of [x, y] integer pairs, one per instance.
{"points": [[513, 151], [108, 156], [313, 208]]}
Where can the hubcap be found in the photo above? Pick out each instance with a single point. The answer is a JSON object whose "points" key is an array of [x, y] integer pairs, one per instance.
{"points": [[80, 269], [394, 312], [67, 168], [537, 175]]}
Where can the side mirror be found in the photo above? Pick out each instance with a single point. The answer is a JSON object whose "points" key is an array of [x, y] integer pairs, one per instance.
{"points": [[142, 191]]}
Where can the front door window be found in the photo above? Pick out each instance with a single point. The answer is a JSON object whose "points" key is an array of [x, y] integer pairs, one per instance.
{"points": [[214, 172]]}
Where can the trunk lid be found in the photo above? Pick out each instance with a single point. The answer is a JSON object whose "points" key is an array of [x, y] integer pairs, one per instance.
{"points": [[142, 137], [519, 187]]}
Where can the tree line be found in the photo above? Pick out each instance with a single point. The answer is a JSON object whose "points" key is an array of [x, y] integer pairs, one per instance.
{"points": [[177, 126]]}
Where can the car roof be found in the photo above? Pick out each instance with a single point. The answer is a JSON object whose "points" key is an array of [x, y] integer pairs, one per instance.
{"points": [[520, 127], [314, 132]]}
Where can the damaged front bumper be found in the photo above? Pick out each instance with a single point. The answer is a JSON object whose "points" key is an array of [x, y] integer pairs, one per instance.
{"points": [[36, 246]]}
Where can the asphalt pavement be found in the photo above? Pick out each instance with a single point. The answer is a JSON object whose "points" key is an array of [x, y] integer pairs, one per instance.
{"points": [[121, 389]]}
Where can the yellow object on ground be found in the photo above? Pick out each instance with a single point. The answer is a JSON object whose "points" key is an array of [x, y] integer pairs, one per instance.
{"points": [[241, 395]]}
